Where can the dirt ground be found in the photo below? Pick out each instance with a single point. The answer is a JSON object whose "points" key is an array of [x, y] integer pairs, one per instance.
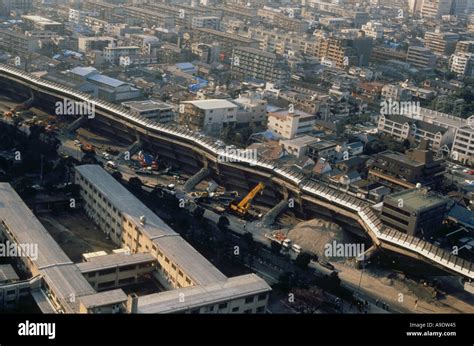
{"points": [[76, 234]]}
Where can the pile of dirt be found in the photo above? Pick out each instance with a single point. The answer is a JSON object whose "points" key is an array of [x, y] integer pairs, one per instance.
{"points": [[313, 235]]}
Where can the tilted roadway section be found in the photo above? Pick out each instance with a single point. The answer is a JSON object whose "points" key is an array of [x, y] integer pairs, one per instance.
{"points": [[308, 189]]}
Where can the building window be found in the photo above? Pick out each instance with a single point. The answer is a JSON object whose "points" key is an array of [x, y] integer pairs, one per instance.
{"points": [[262, 296], [248, 300], [223, 306], [236, 309], [260, 309]]}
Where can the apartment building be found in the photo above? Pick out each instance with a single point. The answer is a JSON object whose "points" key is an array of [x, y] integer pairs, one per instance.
{"points": [[251, 110], [322, 149], [402, 128], [417, 212], [421, 57], [104, 10], [287, 23], [255, 63], [298, 146], [113, 54], [384, 54], [464, 47], [77, 16], [151, 17], [17, 42], [373, 30], [291, 124], [462, 64], [434, 9], [442, 43], [404, 171], [209, 116], [463, 146], [151, 109], [226, 41], [86, 43], [182, 270], [42, 24], [208, 22]]}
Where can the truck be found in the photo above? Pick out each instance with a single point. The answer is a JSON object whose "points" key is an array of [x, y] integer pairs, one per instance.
{"points": [[280, 238], [296, 248]]}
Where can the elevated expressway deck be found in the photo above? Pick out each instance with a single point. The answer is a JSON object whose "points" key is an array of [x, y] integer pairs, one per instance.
{"points": [[197, 150]]}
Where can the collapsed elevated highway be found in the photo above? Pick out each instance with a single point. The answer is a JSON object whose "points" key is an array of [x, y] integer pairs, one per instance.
{"points": [[192, 151]]}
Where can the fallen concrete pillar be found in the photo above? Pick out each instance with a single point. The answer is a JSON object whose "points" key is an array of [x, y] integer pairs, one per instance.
{"points": [[362, 259], [77, 124], [134, 148], [196, 179], [270, 217]]}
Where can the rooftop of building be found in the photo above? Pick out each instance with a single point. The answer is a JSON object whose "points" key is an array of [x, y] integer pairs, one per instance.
{"points": [[218, 292], [103, 298], [114, 260], [399, 157], [300, 141], [420, 124], [148, 105], [105, 80], [416, 199], [212, 104], [41, 20]]}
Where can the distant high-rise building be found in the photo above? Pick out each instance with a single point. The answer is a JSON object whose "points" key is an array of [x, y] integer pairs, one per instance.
{"points": [[421, 57], [462, 64], [435, 8], [442, 43], [256, 63]]}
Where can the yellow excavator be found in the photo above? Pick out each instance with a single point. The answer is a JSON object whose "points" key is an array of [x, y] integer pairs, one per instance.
{"points": [[242, 208]]}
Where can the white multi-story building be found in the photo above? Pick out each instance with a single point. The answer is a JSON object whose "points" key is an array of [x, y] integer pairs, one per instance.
{"points": [[435, 8], [209, 116], [151, 109], [373, 29], [462, 64], [209, 22], [252, 110], [403, 128], [291, 124], [78, 16], [463, 146], [113, 54]]}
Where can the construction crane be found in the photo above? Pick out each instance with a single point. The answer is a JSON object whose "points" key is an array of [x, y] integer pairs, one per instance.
{"points": [[241, 208]]}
